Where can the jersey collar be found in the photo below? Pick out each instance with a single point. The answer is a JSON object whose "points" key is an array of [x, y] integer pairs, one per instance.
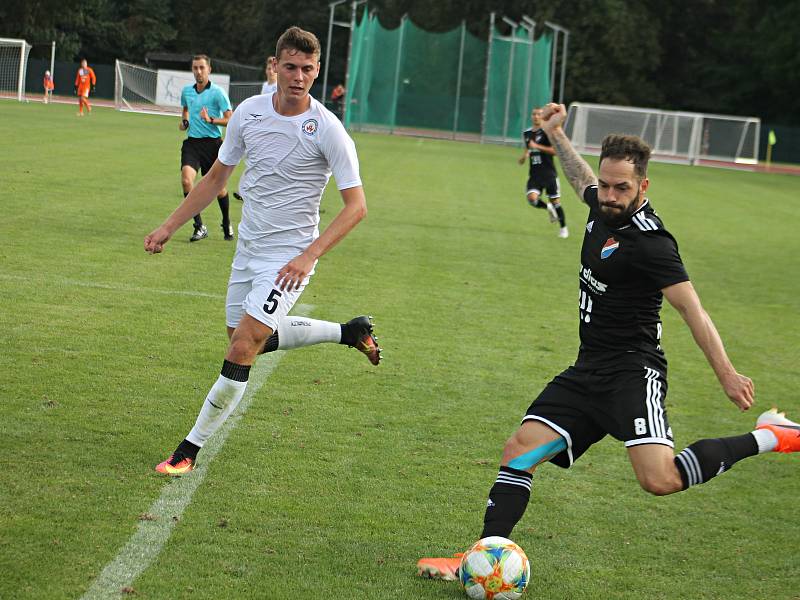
{"points": [[207, 86]]}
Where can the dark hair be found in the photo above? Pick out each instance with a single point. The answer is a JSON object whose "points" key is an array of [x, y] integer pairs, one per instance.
{"points": [[202, 57], [299, 40], [627, 147], [269, 58]]}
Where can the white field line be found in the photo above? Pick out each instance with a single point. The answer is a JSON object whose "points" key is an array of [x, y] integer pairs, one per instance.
{"points": [[146, 544], [115, 287]]}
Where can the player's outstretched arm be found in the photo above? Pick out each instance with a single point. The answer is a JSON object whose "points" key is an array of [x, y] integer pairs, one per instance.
{"points": [[355, 208], [684, 298], [199, 198], [578, 172]]}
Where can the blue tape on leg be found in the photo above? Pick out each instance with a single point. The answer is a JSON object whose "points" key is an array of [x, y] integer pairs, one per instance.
{"points": [[535, 456]]}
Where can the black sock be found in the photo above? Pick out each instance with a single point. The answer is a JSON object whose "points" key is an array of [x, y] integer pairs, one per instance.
{"points": [[349, 335], [271, 344], [560, 212], [198, 222], [187, 449], [705, 459], [224, 204], [508, 500], [538, 203]]}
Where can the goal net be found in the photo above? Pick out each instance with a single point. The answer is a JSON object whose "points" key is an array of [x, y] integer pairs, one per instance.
{"points": [[13, 64], [675, 136], [139, 89]]}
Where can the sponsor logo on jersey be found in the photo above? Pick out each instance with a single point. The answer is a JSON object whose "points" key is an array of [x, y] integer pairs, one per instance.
{"points": [[586, 277], [608, 248], [310, 127], [254, 117], [589, 226]]}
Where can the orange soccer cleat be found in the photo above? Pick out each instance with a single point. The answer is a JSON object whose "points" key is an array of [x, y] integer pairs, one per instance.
{"points": [[787, 432], [176, 465], [440, 568], [364, 340]]}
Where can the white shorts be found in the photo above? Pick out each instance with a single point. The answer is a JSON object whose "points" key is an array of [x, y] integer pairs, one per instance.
{"points": [[252, 290]]}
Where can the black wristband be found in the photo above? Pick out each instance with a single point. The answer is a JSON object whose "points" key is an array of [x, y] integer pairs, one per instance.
{"points": [[186, 123], [211, 120]]}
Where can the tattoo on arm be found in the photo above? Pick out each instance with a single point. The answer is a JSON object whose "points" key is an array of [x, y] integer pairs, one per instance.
{"points": [[578, 172]]}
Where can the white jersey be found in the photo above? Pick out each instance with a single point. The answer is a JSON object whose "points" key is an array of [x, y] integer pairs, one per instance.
{"points": [[269, 88], [288, 162]]}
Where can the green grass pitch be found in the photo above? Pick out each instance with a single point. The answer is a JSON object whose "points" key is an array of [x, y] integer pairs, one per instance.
{"points": [[341, 475]]}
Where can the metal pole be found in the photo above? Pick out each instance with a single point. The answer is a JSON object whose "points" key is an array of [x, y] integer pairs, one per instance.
{"points": [[510, 75], [53, 59], [553, 57], [486, 81], [397, 70], [458, 80], [353, 6], [563, 67], [331, 6], [530, 28], [21, 78]]}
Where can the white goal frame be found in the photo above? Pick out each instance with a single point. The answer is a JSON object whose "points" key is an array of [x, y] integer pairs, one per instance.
{"points": [[12, 72], [140, 89], [675, 136]]}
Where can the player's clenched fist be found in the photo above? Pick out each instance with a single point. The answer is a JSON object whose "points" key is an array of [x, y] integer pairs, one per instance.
{"points": [[154, 242]]}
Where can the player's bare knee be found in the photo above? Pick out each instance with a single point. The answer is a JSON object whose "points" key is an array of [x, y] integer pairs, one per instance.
{"points": [[660, 484]]}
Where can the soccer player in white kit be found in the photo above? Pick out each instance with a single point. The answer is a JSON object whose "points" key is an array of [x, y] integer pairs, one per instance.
{"points": [[290, 144]]}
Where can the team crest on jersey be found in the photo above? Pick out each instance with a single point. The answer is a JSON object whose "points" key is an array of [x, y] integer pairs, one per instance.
{"points": [[608, 248], [589, 226], [310, 127]]}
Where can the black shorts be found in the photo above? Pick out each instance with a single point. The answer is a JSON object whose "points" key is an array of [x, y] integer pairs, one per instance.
{"points": [[200, 153], [586, 405], [549, 184]]}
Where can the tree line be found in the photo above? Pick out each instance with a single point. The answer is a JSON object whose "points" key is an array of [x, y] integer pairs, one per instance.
{"points": [[736, 57]]}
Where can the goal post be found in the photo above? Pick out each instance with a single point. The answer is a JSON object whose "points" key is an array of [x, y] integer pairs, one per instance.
{"points": [[13, 65], [158, 91], [674, 136]]}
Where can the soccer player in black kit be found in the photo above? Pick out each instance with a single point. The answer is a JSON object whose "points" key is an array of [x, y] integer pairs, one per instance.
{"points": [[618, 384], [542, 176]]}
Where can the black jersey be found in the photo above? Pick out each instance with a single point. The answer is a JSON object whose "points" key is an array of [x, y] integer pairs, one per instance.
{"points": [[623, 271], [541, 164]]}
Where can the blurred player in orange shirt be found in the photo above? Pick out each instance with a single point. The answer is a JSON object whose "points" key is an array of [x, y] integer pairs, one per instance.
{"points": [[84, 81], [49, 86]]}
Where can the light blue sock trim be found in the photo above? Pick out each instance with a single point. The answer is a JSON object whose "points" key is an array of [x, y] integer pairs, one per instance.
{"points": [[535, 456]]}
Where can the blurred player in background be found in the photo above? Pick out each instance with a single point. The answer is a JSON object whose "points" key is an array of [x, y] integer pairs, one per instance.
{"points": [[618, 384], [85, 80], [271, 84], [542, 176], [206, 108], [291, 145], [48, 85]]}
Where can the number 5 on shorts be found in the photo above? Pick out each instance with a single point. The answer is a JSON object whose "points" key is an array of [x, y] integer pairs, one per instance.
{"points": [[272, 302]]}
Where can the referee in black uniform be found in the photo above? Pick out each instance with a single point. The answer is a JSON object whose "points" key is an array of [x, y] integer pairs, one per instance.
{"points": [[542, 176]]}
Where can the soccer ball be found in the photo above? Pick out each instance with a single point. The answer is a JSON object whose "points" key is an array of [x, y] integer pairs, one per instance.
{"points": [[494, 568]]}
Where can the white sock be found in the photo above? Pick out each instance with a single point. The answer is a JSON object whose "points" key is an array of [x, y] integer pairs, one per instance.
{"points": [[223, 398], [766, 440], [296, 332]]}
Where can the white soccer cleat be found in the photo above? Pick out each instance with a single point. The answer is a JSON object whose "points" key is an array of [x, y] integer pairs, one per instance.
{"points": [[563, 233]]}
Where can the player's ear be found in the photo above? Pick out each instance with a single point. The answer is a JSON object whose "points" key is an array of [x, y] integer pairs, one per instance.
{"points": [[645, 184]]}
